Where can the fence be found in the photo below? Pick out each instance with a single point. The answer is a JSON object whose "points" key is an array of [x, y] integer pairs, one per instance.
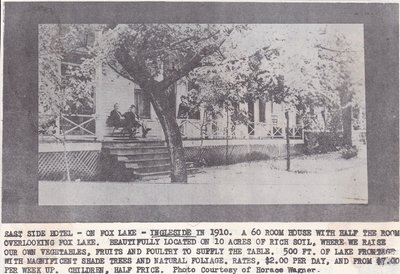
{"points": [[82, 165], [195, 129]]}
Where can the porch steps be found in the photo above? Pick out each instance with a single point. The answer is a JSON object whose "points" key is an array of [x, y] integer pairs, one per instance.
{"points": [[160, 174], [138, 150], [145, 159], [114, 143], [144, 163]]}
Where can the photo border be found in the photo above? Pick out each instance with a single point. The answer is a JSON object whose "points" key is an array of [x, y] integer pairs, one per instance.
{"points": [[20, 108]]}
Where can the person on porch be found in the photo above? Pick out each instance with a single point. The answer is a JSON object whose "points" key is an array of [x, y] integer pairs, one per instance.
{"points": [[183, 109], [116, 119], [183, 113], [132, 123]]}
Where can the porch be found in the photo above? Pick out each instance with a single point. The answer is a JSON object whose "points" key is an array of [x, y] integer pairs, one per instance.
{"points": [[82, 127], [266, 120], [76, 143]]}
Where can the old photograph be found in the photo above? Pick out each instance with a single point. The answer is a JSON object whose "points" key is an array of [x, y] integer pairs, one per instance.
{"points": [[192, 114]]}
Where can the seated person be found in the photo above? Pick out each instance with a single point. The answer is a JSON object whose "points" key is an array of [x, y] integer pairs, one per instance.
{"points": [[132, 123], [116, 119]]}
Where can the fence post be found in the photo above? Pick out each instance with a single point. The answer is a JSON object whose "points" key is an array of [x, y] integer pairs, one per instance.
{"points": [[58, 124], [287, 141]]}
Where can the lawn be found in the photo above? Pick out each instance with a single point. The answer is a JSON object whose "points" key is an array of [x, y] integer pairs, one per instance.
{"points": [[313, 179]]}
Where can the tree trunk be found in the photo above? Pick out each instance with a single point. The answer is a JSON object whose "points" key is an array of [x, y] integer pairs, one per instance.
{"points": [[227, 138], [345, 104], [159, 95], [202, 126], [347, 126], [287, 141], [172, 134]]}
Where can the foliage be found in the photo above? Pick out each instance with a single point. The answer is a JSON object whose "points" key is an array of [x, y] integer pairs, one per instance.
{"points": [[163, 50], [228, 73], [278, 71], [216, 155], [166, 53], [66, 88], [322, 142], [156, 56], [231, 65]]}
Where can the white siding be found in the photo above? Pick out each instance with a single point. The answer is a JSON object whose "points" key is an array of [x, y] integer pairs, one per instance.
{"points": [[110, 89]]}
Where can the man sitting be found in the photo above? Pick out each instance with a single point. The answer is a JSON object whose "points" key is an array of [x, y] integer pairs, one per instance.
{"points": [[132, 123], [116, 119]]}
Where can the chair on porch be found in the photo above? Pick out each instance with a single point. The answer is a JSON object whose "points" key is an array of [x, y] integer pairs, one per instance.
{"points": [[116, 127]]}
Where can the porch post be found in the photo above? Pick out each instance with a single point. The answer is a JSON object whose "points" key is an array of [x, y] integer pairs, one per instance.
{"points": [[99, 120], [98, 89], [256, 117], [287, 141]]}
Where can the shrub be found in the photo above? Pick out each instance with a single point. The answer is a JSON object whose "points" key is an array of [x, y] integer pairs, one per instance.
{"points": [[214, 156], [349, 152], [200, 162], [256, 156], [323, 142]]}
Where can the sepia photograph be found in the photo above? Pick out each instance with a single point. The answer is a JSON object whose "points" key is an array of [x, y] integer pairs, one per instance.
{"points": [[199, 137], [201, 114]]}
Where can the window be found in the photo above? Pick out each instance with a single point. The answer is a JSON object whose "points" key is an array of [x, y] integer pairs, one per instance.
{"points": [[250, 125], [261, 107], [142, 101], [298, 119]]}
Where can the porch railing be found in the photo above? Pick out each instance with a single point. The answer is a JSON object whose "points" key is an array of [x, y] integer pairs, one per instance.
{"points": [[296, 132], [78, 124], [195, 129], [69, 124], [190, 128]]}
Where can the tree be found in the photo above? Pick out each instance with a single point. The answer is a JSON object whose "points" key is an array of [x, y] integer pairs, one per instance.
{"points": [[218, 58], [276, 74], [156, 56], [325, 73], [338, 76], [316, 75], [63, 88], [275, 71]]}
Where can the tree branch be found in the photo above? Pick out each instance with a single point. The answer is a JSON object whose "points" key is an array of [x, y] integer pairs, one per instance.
{"points": [[333, 50], [124, 75], [193, 63], [173, 45], [134, 67]]}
